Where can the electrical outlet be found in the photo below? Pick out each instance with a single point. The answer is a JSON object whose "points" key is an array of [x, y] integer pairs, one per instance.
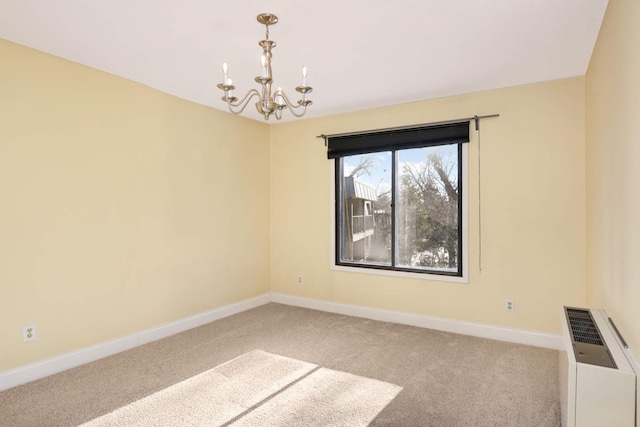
{"points": [[509, 305], [300, 280], [29, 333]]}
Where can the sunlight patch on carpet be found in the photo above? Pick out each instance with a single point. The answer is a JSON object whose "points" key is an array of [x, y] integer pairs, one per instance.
{"points": [[324, 398], [260, 388]]}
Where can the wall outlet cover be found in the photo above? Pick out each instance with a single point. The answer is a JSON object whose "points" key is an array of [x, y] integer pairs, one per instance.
{"points": [[29, 333]]}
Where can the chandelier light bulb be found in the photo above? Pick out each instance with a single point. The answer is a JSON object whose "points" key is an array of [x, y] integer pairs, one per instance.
{"points": [[304, 76], [279, 100], [225, 76]]}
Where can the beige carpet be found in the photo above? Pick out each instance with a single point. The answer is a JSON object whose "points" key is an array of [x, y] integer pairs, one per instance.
{"points": [[324, 398], [447, 380], [259, 389]]}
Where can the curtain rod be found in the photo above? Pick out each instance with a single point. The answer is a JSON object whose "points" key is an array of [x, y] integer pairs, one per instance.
{"points": [[443, 122]]}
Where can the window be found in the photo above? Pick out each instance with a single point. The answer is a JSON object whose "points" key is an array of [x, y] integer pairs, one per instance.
{"points": [[399, 199]]}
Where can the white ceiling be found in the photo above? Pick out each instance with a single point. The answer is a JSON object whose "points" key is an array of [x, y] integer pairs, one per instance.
{"points": [[360, 54]]}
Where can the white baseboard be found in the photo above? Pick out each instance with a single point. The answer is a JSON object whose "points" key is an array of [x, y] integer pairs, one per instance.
{"points": [[43, 368], [518, 336]]}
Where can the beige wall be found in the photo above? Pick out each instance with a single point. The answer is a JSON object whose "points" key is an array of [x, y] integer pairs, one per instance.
{"points": [[613, 169], [122, 208], [533, 209], [125, 208]]}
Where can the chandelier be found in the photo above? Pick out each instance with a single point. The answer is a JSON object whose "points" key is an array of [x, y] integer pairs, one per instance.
{"points": [[268, 103]]}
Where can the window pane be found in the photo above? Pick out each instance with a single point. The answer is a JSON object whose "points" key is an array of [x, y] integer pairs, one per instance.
{"points": [[427, 208], [366, 209]]}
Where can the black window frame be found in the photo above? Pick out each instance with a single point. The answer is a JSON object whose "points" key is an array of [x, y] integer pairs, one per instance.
{"points": [[394, 142]]}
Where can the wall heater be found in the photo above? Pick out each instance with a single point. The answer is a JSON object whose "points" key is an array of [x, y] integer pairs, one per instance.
{"points": [[597, 380]]}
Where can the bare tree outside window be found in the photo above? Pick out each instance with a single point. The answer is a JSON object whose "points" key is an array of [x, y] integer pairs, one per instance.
{"points": [[428, 210]]}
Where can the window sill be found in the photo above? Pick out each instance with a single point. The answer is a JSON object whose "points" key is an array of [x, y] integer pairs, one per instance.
{"points": [[404, 274]]}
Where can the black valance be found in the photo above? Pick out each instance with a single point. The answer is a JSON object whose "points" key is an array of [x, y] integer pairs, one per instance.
{"points": [[397, 139]]}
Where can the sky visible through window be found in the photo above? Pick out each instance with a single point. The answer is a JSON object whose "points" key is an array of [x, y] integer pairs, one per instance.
{"points": [[379, 175]]}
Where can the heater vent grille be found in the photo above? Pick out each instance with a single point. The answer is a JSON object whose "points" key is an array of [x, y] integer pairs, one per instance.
{"points": [[588, 345], [583, 328]]}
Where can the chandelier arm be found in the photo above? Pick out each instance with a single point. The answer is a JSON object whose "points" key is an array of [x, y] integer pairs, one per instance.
{"points": [[291, 106], [304, 110], [243, 102]]}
